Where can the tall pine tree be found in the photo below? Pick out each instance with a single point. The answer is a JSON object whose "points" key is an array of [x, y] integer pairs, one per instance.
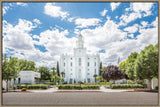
{"points": [[58, 69], [100, 68]]}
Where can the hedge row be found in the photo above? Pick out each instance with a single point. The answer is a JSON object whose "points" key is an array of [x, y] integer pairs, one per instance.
{"points": [[34, 86], [124, 86], [78, 86], [37, 87]]}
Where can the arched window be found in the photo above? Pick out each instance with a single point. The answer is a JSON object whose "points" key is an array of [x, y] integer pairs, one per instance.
{"points": [[79, 61], [71, 63], [94, 63], [88, 63], [79, 74]]}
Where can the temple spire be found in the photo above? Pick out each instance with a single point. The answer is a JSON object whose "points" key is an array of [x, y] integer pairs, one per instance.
{"points": [[80, 41], [80, 36]]}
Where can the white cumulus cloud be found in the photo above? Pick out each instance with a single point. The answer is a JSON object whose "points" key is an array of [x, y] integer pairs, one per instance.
{"points": [[103, 13], [138, 10], [132, 29], [113, 40], [5, 9], [82, 22], [55, 11], [114, 5], [18, 36], [37, 21], [21, 4]]}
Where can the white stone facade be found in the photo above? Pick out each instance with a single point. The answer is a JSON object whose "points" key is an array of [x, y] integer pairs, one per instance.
{"points": [[79, 67], [29, 77]]}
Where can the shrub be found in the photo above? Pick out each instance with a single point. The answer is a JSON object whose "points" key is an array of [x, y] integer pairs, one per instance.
{"points": [[126, 86], [37, 86], [20, 86], [51, 83], [23, 89], [70, 86], [130, 82], [144, 85], [108, 83], [140, 82], [103, 83]]}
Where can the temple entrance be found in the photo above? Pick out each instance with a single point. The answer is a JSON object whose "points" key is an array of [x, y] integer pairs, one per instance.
{"points": [[79, 75], [88, 80], [71, 81]]}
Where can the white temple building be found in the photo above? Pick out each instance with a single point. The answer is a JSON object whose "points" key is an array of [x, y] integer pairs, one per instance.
{"points": [[79, 67]]}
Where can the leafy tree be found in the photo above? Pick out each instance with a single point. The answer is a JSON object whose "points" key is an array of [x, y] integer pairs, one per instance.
{"points": [[95, 75], [54, 72], [100, 68], [112, 73], [26, 65], [58, 69], [63, 74], [130, 65], [99, 78], [123, 65], [45, 73], [14, 64], [146, 65], [103, 68], [56, 79], [5, 70], [9, 69]]}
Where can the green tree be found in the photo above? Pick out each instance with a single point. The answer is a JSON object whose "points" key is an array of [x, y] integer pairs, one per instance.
{"points": [[6, 70], [95, 75], [14, 64], [99, 78], [45, 73], [103, 68], [146, 65], [100, 68], [56, 79], [63, 74], [54, 72], [9, 69], [123, 65], [26, 65], [58, 73], [130, 66]]}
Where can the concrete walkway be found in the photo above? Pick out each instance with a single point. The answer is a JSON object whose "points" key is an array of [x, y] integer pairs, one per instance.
{"points": [[113, 90]]}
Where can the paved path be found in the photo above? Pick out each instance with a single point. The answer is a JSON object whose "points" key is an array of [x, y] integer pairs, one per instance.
{"points": [[113, 90], [81, 98]]}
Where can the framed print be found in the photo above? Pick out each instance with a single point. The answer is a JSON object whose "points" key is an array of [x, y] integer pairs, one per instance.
{"points": [[79, 53]]}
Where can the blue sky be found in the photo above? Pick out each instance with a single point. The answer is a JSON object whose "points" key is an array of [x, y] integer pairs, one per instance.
{"points": [[41, 32]]}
